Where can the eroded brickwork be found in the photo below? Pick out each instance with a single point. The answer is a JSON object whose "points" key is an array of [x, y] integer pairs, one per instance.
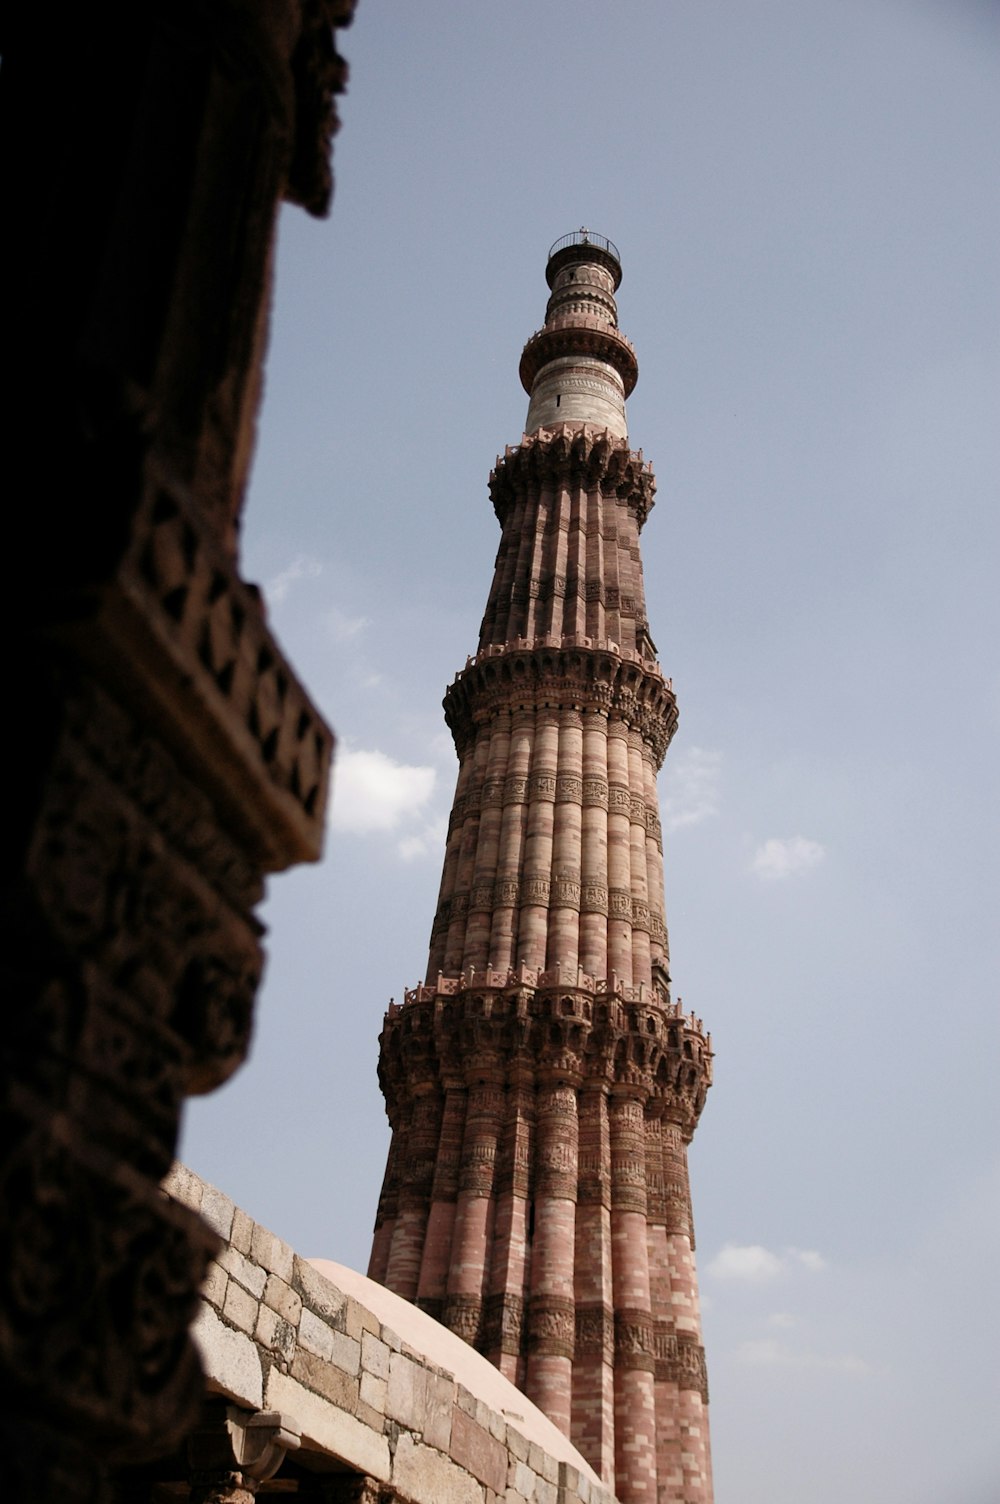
{"points": [[543, 1085]]}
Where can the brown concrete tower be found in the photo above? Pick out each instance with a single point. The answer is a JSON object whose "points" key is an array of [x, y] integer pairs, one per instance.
{"points": [[542, 1086]]}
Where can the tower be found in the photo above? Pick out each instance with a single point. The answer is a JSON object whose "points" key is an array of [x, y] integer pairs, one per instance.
{"points": [[542, 1086]]}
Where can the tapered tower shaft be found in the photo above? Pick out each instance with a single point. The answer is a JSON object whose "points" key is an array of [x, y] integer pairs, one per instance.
{"points": [[542, 1085]]}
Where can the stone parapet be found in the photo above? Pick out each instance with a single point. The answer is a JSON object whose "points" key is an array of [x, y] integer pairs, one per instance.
{"points": [[345, 1390]]}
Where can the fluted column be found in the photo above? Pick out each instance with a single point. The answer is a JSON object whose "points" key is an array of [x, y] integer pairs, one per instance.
{"points": [[511, 1233], [513, 831], [477, 933], [594, 836], [471, 1239], [414, 1193], [564, 913], [551, 1314], [449, 875], [432, 1286], [659, 951], [692, 1391], [593, 1429], [536, 883], [635, 1402], [641, 963], [619, 854]]}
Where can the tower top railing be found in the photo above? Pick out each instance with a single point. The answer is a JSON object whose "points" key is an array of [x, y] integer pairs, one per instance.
{"points": [[583, 236]]}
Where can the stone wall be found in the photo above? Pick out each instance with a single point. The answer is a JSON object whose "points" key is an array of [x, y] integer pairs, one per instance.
{"points": [[277, 1336]]}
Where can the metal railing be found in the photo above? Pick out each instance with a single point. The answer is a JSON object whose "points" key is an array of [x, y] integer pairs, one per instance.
{"points": [[583, 236]]}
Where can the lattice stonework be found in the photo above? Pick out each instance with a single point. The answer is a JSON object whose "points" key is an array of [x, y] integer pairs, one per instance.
{"points": [[542, 1085]]}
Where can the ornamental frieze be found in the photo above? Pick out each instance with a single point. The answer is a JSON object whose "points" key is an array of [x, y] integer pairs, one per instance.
{"points": [[542, 786], [515, 789], [566, 894], [595, 1332], [569, 789], [551, 1325], [462, 1314], [590, 457], [593, 899], [634, 1341], [595, 793]]}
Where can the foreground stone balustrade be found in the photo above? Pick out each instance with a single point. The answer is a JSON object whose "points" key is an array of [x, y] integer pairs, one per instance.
{"points": [[399, 1406]]}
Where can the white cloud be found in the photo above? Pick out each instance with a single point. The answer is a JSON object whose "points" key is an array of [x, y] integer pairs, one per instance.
{"points": [[747, 1261], [768, 1352], [692, 788], [302, 567], [809, 1259], [427, 842], [342, 627], [753, 1264], [777, 859], [371, 791], [783, 1319]]}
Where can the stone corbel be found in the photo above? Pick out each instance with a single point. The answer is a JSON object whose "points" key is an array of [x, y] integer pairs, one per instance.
{"points": [[252, 1443]]}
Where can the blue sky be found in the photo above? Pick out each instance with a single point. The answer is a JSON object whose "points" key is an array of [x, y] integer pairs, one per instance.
{"points": [[806, 200]]}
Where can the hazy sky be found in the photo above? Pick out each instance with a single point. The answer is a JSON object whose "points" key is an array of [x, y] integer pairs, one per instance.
{"points": [[806, 201]]}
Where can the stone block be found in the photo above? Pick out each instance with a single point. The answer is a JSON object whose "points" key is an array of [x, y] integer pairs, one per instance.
{"points": [[183, 1185], [283, 1299], [240, 1308], [423, 1475], [473, 1447], [239, 1267], [369, 1416], [230, 1359], [373, 1392], [214, 1288], [346, 1353], [523, 1481], [517, 1445], [328, 1427], [374, 1356], [323, 1378], [217, 1210], [546, 1492], [242, 1234], [274, 1333], [317, 1292], [392, 1339], [439, 1407], [359, 1319], [315, 1336], [272, 1253]]}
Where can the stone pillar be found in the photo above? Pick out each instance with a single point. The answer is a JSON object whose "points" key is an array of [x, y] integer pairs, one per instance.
{"points": [[593, 1425], [513, 829], [472, 1235], [504, 1325], [594, 835], [477, 937], [536, 883], [635, 1402], [641, 957], [619, 854], [564, 914], [432, 1286], [551, 1316], [413, 1199]]}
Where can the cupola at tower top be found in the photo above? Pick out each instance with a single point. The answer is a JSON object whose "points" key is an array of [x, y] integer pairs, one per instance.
{"points": [[579, 368]]}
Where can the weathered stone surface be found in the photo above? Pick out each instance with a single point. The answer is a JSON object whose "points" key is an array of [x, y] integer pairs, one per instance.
{"points": [[230, 1359], [421, 1474], [472, 1446], [332, 1430]]}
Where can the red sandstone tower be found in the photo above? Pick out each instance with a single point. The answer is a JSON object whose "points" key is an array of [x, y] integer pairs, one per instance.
{"points": [[542, 1086]]}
